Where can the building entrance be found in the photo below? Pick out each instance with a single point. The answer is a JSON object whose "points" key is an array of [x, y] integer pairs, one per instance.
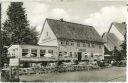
{"points": [[79, 56]]}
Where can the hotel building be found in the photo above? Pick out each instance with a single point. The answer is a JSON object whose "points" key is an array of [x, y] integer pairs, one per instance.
{"points": [[72, 39]]}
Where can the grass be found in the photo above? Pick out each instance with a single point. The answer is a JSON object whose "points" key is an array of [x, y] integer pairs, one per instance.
{"points": [[79, 76]]}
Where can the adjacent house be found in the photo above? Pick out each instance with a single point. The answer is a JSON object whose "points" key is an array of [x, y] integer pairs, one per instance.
{"points": [[115, 35]]}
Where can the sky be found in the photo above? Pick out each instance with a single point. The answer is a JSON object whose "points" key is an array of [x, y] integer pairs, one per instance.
{"points": [[99, 14]]}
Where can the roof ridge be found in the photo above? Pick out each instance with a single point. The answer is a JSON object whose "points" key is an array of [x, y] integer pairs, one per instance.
{"points": [[71, 30], [119, 22], [68, 22]]}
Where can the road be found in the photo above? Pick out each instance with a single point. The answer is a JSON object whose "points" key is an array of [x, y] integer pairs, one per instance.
{"points": [[113, 74]]}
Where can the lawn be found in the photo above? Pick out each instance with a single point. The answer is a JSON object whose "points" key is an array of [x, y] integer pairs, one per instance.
{"points": [[102, 75]]}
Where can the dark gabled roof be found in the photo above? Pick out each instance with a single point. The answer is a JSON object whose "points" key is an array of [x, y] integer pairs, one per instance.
{"points": [[113, 38], [69, 30], [121, 27], [111, 41]]}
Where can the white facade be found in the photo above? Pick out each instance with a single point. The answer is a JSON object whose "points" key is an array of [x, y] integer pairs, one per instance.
{"points": [[47, 37], [97, 50]]}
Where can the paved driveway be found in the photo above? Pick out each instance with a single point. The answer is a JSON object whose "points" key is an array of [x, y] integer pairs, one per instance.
{"points": [[113, 74]]}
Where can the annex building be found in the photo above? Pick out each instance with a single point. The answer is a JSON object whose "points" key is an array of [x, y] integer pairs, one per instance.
{"points": [[115, 36]]}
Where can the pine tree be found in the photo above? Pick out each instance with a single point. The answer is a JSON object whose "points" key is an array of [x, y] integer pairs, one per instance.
{"points": [[4, 58], [124, 46], [117, 55], [0, 30], [17, 27]]}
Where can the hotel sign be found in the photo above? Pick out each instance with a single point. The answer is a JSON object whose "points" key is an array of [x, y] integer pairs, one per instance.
{"points": [[46, 39], [14, 62], [82, 50]]}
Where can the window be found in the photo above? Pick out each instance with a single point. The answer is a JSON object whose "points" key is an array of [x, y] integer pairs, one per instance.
{"points": [[89, 44], [100, 46], [42, 53], [84, 45], [86, 56], [78, 44], [65, 53], [60, 53], [70, 54], [67, 42], [50, 51], [34, 52], [62, 42], [24, 52], [72, 43], [92, 55], [75, 54], [93, 45], [13, 49]]}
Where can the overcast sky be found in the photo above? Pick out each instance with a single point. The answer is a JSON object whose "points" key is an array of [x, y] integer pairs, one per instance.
{"points": [[96, 13]]}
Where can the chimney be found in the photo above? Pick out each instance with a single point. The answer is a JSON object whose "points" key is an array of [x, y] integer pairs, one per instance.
{"points": [[123, 22], [61, 20]]}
